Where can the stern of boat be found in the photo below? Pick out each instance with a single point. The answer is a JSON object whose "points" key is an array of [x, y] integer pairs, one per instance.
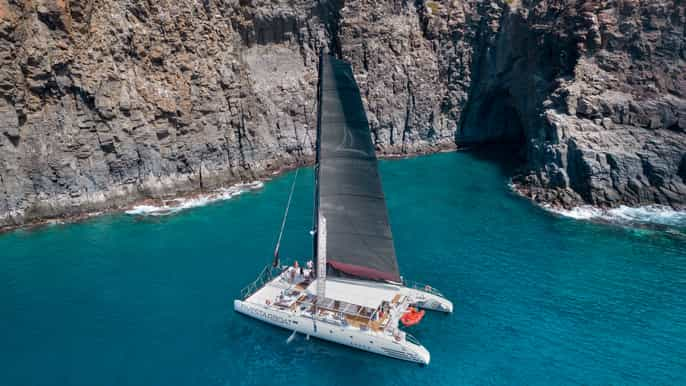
{"points": [[237, 305], [424, 355], [429, 298], [419, 353]]}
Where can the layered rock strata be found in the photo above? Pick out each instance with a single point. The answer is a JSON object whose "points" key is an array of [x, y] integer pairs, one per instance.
{"points": [[103, 103]]}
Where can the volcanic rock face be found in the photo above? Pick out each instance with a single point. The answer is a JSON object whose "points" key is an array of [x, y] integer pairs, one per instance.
{"points": [[599, 89], [106, 102]]}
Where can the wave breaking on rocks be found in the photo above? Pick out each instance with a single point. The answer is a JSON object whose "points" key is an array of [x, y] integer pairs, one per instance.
{"points": [[656, 215], [175, 205]]}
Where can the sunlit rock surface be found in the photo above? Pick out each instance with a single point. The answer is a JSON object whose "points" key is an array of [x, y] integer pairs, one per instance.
{"points": [[103, 103]]}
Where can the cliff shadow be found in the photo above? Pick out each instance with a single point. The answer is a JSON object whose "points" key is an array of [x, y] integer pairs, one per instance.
{"points": [[492, 118], [510, 158]]}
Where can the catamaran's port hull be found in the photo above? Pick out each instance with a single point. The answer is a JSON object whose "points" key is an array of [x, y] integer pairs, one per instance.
{"points": [[429, 301], [352, 337]]}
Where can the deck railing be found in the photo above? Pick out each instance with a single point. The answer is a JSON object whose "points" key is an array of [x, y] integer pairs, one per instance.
{"points": [[412, 339], [267, 274], [422, 287]]}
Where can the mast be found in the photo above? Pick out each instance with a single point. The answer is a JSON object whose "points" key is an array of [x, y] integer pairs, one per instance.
{"points": [[315, 215], [321, 260]]}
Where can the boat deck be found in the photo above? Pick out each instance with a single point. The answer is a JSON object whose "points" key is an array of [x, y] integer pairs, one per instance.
{"points": [[347, 302]]}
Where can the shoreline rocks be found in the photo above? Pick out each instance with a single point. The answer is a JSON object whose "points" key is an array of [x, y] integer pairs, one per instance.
{"points": [[75, 212]]}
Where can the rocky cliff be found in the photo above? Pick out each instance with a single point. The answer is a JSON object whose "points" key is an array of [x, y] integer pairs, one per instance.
{"points": [[103, 103], [597, 91]]}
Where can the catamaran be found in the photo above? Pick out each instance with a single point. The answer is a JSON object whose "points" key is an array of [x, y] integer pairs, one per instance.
{"points": [[351, 292]]}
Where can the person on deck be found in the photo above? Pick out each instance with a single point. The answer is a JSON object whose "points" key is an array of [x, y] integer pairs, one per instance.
{"points": [[296, 269], [310, 269]]}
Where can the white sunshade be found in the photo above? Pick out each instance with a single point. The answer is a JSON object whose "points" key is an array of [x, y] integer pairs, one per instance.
{"points": [[365, 294]]}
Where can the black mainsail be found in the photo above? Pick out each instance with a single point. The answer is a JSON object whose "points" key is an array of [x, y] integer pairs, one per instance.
{"points": [[359, 243]]}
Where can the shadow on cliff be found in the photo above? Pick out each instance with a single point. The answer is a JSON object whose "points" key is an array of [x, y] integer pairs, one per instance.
{"points": [[514, 71], [508, 157]]}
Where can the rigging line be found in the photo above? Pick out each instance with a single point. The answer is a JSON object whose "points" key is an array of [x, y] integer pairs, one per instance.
{"points": [[283, 222]]}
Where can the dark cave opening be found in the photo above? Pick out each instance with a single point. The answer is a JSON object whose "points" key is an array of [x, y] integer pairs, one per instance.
{"points": [[493, 130], [508, 157], [500, 118]]}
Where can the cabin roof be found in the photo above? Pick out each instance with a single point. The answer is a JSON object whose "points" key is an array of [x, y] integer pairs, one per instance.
{"points": [[363, 293]]}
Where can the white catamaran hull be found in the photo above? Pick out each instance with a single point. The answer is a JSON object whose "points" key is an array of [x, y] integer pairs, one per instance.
{"points": [[352, 337], [429, 301]]}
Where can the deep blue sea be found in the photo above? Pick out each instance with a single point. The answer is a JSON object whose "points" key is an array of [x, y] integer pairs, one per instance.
{"points": [[540, 299]]}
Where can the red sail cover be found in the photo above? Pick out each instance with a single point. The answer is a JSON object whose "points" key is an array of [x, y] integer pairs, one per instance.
{"points": [[349, 194]]}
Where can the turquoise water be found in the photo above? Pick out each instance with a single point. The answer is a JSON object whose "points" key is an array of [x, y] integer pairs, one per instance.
{"points": [[539, 299]]}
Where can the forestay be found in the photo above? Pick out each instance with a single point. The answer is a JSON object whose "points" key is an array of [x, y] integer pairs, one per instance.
{"points": [[359, 240]]}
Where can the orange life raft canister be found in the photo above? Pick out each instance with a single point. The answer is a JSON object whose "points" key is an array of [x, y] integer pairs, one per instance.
{"points": [[412, 317]]}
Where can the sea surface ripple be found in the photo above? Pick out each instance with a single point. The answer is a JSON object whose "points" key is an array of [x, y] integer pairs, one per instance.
{"points": [[539, 298]]}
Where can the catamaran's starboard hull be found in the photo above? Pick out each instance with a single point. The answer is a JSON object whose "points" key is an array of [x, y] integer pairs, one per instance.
{"points": [[351, 337]]}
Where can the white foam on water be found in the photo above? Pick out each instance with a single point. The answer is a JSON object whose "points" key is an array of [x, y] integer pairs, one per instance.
{"points": [[577, 213], [653, 214], [178, 204], [140, 210], [646, 215]]}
